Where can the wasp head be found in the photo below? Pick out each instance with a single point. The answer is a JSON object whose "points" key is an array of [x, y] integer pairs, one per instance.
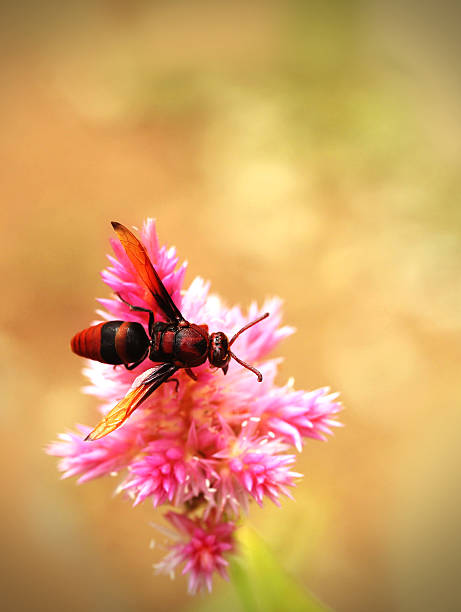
{"points": [[218, 351]]}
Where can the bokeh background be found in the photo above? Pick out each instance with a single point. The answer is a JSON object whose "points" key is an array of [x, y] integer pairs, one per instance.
{"points": [[305, 149]]}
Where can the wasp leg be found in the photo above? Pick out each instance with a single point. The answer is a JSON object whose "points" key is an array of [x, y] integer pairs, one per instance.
{"points": [[190, 373], [136, 363], [175, 380], [139, 309]]}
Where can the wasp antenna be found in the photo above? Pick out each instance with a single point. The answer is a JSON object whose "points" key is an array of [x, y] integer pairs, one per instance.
{"points": [[247, 365], [264, 316]]}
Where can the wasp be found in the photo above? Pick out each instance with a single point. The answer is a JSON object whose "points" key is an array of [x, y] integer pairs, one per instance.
{"points": [[173, 344]]}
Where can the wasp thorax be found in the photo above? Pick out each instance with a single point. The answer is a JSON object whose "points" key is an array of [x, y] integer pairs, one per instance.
{"points": [[218, 351]]}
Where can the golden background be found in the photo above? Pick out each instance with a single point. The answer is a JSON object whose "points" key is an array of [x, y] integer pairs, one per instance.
{"points": [[305, 149]]}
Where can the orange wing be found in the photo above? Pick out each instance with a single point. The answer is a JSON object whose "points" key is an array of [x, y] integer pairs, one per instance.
{"points": [[139, 258], [119, 414]]}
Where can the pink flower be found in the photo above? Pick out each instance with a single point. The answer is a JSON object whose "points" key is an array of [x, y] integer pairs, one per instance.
{"points": [[211, 446], [159, 473], [201, 549], [252, 466]]}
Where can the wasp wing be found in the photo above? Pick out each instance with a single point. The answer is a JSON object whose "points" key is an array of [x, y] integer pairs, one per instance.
{"points": [[139, 258], [119, 414]]}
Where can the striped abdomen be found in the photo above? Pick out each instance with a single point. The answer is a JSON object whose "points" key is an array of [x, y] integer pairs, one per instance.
{"points": [[112, 342]]}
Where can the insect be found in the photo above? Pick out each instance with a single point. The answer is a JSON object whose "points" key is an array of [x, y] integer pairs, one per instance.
{"points": [[173, 344]]}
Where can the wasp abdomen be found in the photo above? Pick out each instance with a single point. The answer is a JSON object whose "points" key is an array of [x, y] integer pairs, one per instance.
{"points": [[113, 342]]}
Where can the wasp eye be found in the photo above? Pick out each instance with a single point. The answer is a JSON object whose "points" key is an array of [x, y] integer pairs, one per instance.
{"points": [[219, 349]]}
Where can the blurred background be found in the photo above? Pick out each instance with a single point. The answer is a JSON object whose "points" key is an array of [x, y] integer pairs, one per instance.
{"points": [[305, 149]]}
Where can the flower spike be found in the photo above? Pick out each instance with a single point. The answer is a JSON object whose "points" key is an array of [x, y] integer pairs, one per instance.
{"points": [[204, 452]]}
